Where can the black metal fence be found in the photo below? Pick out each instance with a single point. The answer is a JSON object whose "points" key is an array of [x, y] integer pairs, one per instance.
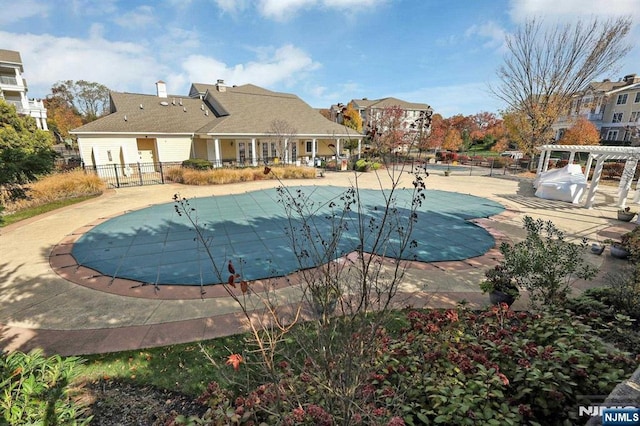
{"points": [[132, 174]]}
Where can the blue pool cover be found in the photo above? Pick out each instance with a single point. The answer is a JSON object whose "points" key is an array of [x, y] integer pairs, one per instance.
{"points": [[156, 245]]}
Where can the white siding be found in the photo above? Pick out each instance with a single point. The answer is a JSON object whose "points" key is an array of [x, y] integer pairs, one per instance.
{"points": [[103, 145], [177, 148]]}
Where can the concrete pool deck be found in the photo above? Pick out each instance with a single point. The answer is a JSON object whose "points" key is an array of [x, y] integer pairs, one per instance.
{"points": [[39, 308]]}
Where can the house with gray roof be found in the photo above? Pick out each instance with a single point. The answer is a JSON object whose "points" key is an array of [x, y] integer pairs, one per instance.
{"points": [[240, 125], [372, 110]]}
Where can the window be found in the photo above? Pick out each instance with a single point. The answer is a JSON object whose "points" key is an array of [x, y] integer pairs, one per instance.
{"points": [[622, 99], [612, 135], [309, 147], [635, 116], [617, 117], [109, 155], [637, 99]]}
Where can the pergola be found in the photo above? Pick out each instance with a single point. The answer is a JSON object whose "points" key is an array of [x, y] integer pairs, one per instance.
{"points": [[600, 154]]}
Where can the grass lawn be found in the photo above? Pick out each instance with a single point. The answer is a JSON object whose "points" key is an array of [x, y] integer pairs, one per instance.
{"points": [[185, 368], [35, 211]]}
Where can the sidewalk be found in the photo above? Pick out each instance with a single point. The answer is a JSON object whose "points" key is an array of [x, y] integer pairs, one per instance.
{"points": [[38, 308]]}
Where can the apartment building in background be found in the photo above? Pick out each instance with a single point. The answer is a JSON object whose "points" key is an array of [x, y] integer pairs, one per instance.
{"points": [[13, 88], [612, 106]]}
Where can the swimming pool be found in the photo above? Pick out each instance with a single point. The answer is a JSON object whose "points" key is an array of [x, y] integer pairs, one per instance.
{"points": [[156, 245]]}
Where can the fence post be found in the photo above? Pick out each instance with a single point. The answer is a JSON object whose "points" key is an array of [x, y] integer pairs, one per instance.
{"points": [[140, 174], [115, 169], [161, 172]]}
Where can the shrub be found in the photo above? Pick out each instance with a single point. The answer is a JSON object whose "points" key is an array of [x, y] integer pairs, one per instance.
{"points": [[613, 170], [361, 165], [449, 367], [561, 163], [37, 390], [197, 164], [59, 186], [630, 241], [500, 162], [545, 263], [464, 159], [218, 176], [612, 312]]}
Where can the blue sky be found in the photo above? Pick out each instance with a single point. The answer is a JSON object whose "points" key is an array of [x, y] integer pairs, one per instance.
{"points": [[440, 52]]}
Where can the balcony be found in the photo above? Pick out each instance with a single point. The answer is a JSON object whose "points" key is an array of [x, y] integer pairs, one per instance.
{"points": [[8, 80]]}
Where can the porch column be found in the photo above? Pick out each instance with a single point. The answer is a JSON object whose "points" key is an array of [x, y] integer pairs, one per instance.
{"points": [[254, 158], [359, 147], [216, 146], [597, 172], [285, 158], [626, 181], [313, 151], [338, 151]]}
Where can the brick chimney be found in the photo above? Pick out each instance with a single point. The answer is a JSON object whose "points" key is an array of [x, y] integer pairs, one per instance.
{"points": [[220, 86], [161, 87]]}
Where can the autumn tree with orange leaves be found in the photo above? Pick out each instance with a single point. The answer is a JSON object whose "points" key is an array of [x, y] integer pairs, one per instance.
{"points": [[61, 118], [546, 65], [583, 132], [452, 140]]}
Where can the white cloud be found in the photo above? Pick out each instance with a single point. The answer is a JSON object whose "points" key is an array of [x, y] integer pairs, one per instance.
{"points": [[118, 65], [282, 10], [93, 8], [231, 6], [285, 65], [140, 17], [491, 31], [15, 11], [571, 10]]}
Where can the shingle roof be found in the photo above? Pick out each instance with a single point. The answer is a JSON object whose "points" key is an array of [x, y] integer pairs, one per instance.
{"points": [[389, 102], [240, 110], [179, 115], [253, 109], [10, 56]]}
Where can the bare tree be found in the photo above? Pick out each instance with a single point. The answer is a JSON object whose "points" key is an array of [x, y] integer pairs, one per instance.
{"points": [[544, 68], [283, 134]]}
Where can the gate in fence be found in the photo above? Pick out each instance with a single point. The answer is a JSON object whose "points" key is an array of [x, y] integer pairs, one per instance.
{"points": [[133, 174]]}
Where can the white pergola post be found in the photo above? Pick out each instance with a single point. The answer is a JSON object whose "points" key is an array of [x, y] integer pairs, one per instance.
{"points": [[543, 155], [588, 167], [597, 172], [547, 157], [572, 156], [625, 181]]}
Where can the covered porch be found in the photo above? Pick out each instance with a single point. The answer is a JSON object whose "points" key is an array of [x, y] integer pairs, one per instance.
{"points": [[253, 150]]}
